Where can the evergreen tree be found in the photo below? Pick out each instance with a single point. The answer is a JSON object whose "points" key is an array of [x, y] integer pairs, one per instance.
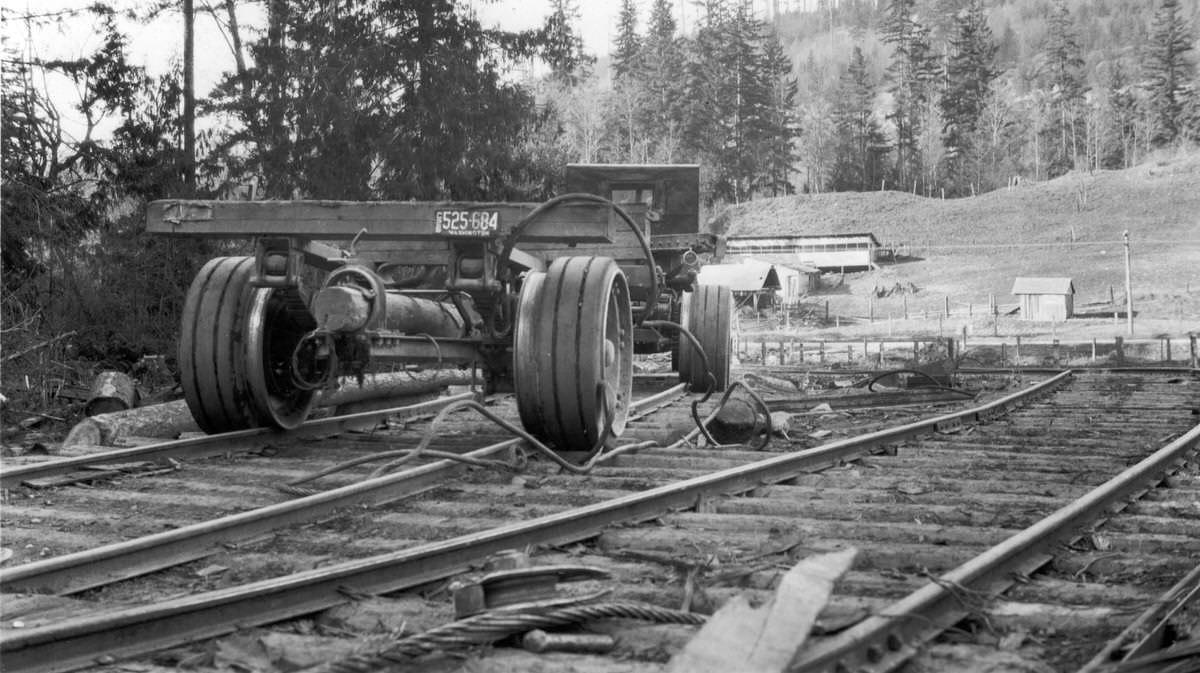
{"points": [[912, 72], [709, 107], [970, 71], [859, 147], [1170, 73], [627, 44], [780, 124], [388, 99], [1062, 77], [662, 69], [564, 45], [1120, 114], [627, 71]]}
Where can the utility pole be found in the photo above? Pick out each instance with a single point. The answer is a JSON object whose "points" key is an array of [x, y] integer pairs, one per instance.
{"points": [[1128, 287], [189, 98]]}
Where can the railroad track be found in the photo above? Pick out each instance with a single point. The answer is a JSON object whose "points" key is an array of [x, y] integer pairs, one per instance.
{"points": [[921, 501]]}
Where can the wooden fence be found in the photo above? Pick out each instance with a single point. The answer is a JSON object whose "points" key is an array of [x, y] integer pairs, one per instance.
{"points": [[1015, 351]]}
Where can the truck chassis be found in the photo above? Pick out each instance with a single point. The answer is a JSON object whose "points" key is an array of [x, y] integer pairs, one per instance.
{"points": [[550, 301]]}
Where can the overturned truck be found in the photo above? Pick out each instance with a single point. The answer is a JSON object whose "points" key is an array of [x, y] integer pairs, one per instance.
{"points": [[550, 301]]}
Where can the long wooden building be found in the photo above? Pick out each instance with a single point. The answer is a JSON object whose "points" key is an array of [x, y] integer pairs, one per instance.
{"points": [[827, 252]]}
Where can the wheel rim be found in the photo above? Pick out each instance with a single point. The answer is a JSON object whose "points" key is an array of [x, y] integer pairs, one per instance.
{"points": [[616, 358], [235, 349], [274, 326]]}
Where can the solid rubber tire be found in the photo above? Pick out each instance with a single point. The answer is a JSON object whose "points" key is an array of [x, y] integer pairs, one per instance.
{"points": [[233, 379], [574, 331], [709, 316]]}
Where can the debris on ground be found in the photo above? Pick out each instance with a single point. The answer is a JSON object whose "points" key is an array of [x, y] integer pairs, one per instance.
{"points": [[765, 639]]}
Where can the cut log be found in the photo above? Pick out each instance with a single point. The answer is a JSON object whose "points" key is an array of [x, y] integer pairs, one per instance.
{"points": [[170, 419], [394, 384], [111, 391]]}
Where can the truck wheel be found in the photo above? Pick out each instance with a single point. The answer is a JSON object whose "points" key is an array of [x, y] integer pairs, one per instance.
{"points": [[235, 350], [708, 315], [573, 352]]}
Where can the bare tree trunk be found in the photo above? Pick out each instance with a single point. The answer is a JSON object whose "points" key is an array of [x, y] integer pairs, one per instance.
{"points": [[235, 36], [189, 97]]}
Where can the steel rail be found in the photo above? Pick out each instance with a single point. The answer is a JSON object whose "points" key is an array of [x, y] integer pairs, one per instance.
{"points": [[215, 445], [1114, 369], [121, 632], [79, 571], [886, 641], [1147, 633]]}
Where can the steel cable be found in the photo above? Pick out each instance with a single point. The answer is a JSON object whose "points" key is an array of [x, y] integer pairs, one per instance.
{"points": [[499, 624]]}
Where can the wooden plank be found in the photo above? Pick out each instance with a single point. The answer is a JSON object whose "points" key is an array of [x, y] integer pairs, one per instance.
{"points": [[582, 222], [739, 637]]}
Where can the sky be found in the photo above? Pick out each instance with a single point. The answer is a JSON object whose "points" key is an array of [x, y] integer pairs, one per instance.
{"points": [[159, 46]]}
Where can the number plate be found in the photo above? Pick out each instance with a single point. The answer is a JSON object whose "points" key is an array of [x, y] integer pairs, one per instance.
{"points": [[481, 223]]}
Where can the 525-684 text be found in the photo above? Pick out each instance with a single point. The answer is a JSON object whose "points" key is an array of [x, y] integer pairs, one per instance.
{"points": [[466, 222]]}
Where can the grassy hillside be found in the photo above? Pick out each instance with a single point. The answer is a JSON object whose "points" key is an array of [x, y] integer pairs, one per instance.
{"points": [[971, 248]]}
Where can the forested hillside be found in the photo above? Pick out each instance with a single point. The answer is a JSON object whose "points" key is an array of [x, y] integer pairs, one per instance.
{"points": [[1072, 85]]}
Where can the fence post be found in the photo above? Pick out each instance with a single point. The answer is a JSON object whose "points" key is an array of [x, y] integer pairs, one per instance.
{"points": [[995, 314], [826, 309], [1120, 344], [849, 353], [1195, 355], [871, 309], [947, 306], [821, 354], [1018, 349], [801, 349], [764, 351], [1003, 352], [1093, 349], [905, 298], [865, 355], [964, 342]]}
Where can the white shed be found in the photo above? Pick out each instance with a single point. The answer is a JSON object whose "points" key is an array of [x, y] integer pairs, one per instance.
{"points": [[758, 279], [1045, 298]]}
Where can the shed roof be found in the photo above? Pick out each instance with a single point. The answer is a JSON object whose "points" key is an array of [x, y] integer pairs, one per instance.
{"points": [[1035, 285], [749, 275], [796, 239], [781, 260]]}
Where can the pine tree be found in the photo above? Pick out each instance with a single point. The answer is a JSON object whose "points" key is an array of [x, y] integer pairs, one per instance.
{"points": [[969, 74], [710, 106], [564, 45], [627, 70], [1061, 75], [1171, 74], [1120, 114], [860, 146], [912, 72], [780, 127], [381, 99], [627, 44], [661, 91]]}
